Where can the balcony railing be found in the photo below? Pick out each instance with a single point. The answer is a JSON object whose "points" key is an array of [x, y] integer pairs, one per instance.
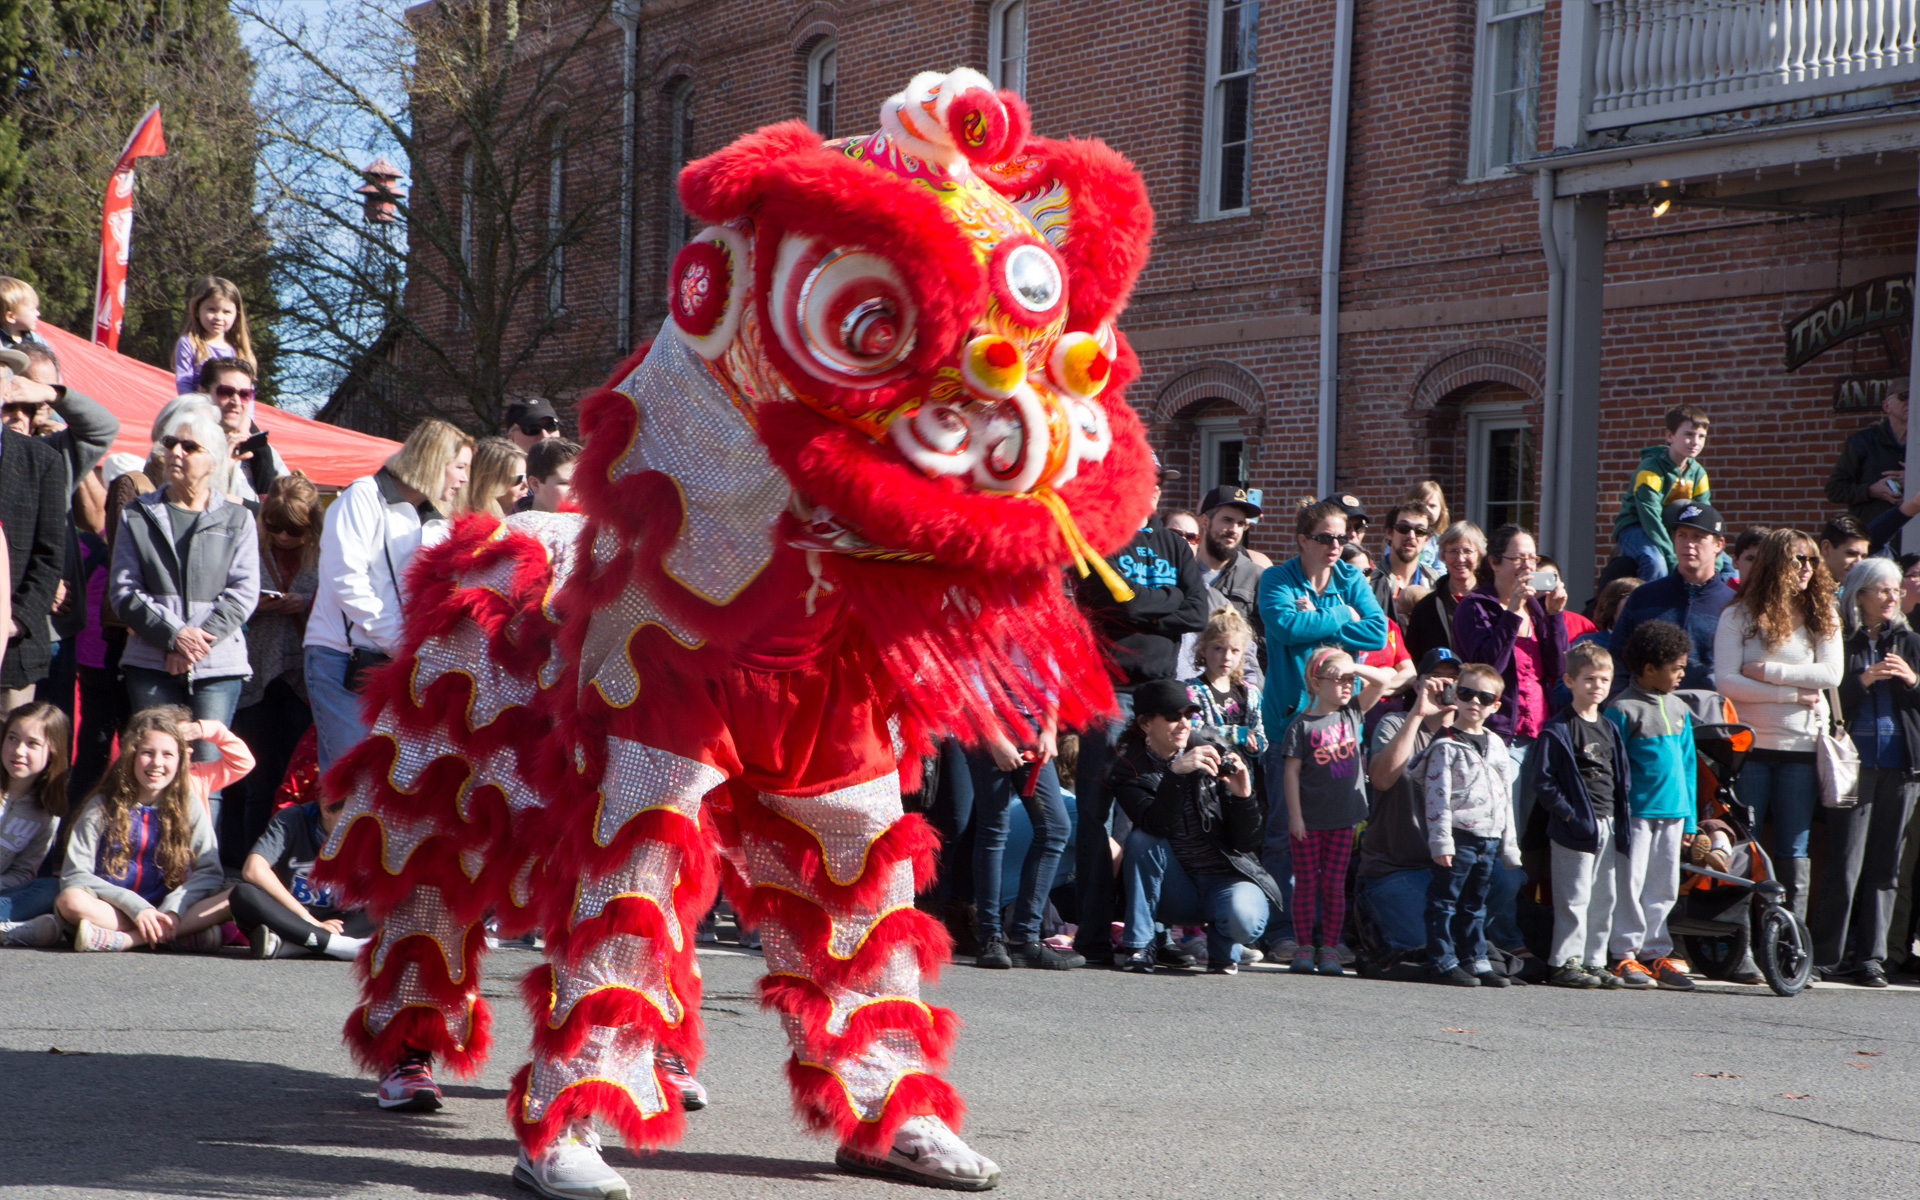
{"points": [[1664, 60]]}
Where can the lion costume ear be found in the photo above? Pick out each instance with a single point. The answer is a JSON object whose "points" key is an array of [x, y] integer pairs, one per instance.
{"points": [[724, 184], [1091, 204]]}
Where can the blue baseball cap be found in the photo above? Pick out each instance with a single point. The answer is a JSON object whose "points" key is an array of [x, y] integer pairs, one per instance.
{"points": [[1439, 657]]}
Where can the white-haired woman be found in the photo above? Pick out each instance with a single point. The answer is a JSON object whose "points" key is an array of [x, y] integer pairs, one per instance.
{"points": [[1880, 700], [1430, 627], [186, 575], [369, 534]]}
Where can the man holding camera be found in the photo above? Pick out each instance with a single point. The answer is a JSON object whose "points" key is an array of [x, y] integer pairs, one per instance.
{"points": [[1193, 854]]}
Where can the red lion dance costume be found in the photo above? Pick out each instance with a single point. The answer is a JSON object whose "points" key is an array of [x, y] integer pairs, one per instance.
{"points": [[823, 519]]}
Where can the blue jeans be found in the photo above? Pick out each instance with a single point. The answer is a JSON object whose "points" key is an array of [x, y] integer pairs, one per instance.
{"points": [[1159, 891], [994, 794], [1791, 791], [1093, 858], [29, 900], [1276, 853], [1457, 902], [337, 727], [1648, 562], [1397, 906]]}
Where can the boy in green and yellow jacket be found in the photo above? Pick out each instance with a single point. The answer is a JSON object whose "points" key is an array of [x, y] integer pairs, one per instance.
{"points": [[1666, 473]]}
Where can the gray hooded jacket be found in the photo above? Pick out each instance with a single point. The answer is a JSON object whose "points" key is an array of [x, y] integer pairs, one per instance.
{"points": [[215, 586]]}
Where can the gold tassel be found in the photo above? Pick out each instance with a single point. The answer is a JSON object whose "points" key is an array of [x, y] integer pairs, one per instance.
{"points": [[1086, 560]]}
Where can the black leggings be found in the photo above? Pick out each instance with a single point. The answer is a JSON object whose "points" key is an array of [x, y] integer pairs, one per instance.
{"points": [[252, 906]]}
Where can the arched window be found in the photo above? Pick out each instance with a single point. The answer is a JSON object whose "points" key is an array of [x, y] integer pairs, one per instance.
{"points": [[822, 76], [680, 225], [1007, 45]]}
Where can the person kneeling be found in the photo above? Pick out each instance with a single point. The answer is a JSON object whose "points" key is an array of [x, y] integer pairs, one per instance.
{"points": [[142, 867], [275, 905], [1469, 790], [1192, 855]]}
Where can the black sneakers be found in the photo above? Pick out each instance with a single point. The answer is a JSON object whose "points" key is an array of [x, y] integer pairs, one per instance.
{"points": [[1039, 954], [1572, 974], [993, 955], [1140, 961], [1458, 976], [1167, 954]]}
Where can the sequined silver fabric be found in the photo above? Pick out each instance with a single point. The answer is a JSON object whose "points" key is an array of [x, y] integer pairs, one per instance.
{"points": [[605, 661], [732, 494], [559, 533], [899, 979], [621, 960], [415, 752], [619, 1055], [767, 867], [464, 652], [651, 874], [640, 777], [408, 993], [845, 823], [870, 1076], [424, 914]]}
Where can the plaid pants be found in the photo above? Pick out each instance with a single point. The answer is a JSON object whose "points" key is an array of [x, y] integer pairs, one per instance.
{"points": [[1320, 885]]}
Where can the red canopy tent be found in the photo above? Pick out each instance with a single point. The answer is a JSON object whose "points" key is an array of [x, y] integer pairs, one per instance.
{"points": [[135, 392]]}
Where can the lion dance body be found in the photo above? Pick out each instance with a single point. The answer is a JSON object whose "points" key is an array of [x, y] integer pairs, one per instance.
{"points": [[822, 523]]}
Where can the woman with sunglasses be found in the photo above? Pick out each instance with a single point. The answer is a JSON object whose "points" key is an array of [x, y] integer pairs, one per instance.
{"points": [[498, 479], [1776, 647], [185, 578]]}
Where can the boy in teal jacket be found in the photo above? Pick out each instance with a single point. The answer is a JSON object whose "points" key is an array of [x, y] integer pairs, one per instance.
{"points": [[1659, 737], [1666, 473]]}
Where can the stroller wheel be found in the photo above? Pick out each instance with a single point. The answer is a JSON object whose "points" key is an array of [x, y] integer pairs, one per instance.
{"points": [[1785, 951], [1717, 955]]}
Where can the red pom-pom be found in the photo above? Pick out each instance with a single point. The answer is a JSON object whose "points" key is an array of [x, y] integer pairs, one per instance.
{"points": [[702, 278], [977, 121]]}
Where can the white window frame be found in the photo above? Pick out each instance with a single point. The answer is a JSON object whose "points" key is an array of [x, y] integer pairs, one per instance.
{"points": [[999, 54], [1483, 421], [556, 217], [1214, 430], [680, 114], [460, 321], [827, 48], [1480, 147], [1211, 142]]}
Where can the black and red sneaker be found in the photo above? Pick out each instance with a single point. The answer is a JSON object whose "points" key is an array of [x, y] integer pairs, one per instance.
{"points": [[409, 1086], [693, 1097]]}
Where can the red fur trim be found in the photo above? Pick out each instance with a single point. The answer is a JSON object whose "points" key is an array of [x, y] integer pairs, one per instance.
{"points": [[418, 1028], [934, 1028], [909, 837], [593, 1097], [569, 863], [981, 127], [997, 281], [1110, 224], [724, 184], [820, 1101], [616, 1006], [928, 938], [1019, 121]]}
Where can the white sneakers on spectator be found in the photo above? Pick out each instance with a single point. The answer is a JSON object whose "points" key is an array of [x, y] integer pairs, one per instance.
{"points": [[91, 937], [43, 930], [409, 1085], [570, 1168], [925, 1151]]}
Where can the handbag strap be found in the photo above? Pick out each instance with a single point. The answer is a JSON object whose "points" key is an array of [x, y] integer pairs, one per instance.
{"points": [[1836, 724]]}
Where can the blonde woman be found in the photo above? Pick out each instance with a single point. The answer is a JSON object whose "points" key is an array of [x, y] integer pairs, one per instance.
{"points": [[369, 534], [499, 478]]}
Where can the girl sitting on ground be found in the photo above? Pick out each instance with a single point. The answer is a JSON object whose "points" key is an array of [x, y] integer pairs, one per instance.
{"points": [[143, 868], [33, 756]]}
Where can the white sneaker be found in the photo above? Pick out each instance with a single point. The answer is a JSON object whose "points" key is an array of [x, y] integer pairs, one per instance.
{"points": [[263, 942], [570, 1168], [925, 1151], [91, 937], [43, 930]]}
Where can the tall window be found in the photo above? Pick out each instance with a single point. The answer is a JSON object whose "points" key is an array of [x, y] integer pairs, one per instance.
{"points": [[1232, 54], [823, 74], [1007, 45], [556, 217], [680, 223], [466, 235], [1506, 85], [1500, 471], [1223, 452]]}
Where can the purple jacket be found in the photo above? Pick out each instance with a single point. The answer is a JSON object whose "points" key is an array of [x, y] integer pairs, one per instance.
{"points": [[1483, 632]]}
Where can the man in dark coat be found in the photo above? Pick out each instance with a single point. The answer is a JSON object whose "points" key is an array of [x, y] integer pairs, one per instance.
{"points": [[33, 511]]}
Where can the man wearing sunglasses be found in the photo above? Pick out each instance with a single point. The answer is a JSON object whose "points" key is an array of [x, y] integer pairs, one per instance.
{"points": [[531, 420], [33, 511], [1408, 528], [230, 382]]}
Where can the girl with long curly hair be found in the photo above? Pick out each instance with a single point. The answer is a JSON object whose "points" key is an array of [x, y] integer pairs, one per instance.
{"points": [[1776, 648], [143, 867]]}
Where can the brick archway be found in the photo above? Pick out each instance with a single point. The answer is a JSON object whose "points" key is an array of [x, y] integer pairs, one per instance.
{"points": [[1512, 363], [1215, 380]]}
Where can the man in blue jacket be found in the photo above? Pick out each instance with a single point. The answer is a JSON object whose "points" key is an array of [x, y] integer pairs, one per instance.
{"points": [[1311, 600], [1690, 596]]}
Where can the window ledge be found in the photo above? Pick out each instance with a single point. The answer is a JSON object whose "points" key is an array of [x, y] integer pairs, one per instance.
{"points": [[1479, 190], [1200, 229]]}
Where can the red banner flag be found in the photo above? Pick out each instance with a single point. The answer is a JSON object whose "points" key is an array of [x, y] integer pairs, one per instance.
{"points": [[116, 230]]}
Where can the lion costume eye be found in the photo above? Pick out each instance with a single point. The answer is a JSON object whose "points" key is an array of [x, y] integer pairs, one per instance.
{"points": [[1027, 280], [844, 316]]}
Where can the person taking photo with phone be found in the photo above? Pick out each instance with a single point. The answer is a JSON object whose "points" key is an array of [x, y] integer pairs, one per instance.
{"points": [[230, 383]]}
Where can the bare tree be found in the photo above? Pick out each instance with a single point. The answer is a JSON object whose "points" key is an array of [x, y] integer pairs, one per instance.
{"points": [[505, 129]]}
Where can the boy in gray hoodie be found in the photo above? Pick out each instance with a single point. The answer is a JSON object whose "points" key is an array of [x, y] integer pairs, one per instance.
{"points": [[1469, 800]]}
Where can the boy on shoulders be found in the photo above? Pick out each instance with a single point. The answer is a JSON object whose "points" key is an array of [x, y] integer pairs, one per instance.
{"points": [[1667, 472]]}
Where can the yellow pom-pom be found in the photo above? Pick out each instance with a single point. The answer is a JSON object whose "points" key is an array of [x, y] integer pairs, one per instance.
{"points": [[1079, 366], [992, 366]]}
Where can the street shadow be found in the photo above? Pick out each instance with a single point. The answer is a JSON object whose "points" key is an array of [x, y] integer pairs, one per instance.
{"points": [[169, 1125], [745, 1165]]}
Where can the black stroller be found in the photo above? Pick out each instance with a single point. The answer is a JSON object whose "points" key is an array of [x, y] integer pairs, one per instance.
{"points": [[1730, 900]]}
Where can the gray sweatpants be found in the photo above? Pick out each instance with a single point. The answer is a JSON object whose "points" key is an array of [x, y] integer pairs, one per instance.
{"points": [[1646, 884], [1583, 900]]}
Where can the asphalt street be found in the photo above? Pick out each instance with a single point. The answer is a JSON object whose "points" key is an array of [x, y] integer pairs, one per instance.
{"points": [[138, 1075]]}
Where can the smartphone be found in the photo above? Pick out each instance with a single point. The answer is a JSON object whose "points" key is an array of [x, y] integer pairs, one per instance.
{"points": [[252, 445], [1544, 580], [268, 594]]}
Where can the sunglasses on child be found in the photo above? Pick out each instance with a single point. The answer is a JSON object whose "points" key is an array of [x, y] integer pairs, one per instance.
{"points": [[191, 447], [1476, 695], [1330, 539], [226, 391], [1346, 680]]}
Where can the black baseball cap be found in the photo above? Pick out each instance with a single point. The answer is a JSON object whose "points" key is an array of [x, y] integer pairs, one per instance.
{"points": [[1229, 494], [1161, 471], [1350, 503], [1694, 516], [1163, 698], [1437, 658], [530, 411]]}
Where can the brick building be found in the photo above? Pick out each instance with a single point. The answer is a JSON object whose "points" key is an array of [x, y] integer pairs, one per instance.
{"points": [[1710, 168]]}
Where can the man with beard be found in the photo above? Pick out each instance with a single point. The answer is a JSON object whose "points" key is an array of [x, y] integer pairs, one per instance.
{"points": [[1230, 570], [1408, 529]]}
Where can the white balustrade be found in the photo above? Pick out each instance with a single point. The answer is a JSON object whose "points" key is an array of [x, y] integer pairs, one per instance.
{"points": [[1659, 60]]}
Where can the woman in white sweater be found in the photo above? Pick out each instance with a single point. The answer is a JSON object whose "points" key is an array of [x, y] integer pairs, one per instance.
{"points": [[1777, 646]]}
